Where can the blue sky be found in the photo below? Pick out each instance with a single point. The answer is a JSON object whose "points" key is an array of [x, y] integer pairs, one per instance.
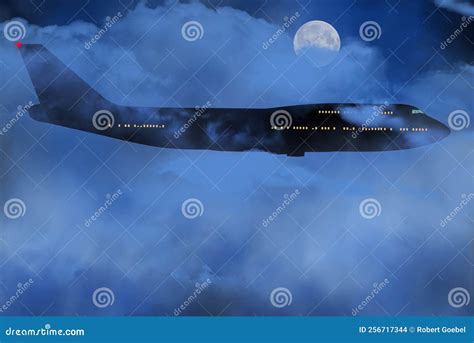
{"points": [[320, 247]]}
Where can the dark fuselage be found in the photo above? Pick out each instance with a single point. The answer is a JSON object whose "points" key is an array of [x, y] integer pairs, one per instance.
{"points": [[68, 101]]}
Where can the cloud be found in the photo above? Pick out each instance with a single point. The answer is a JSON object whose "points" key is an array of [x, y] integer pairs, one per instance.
{"points": [[153, 266], [147, 62], [465, 7]]}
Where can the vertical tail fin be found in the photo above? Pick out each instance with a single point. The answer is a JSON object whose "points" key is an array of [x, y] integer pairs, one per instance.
{"points": [[62, 94]]}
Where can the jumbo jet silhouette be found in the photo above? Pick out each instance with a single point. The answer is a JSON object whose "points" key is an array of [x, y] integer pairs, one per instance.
{"points": [[66, 100]]}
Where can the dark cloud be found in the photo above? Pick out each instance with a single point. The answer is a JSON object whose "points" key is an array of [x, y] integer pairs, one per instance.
{"points": [[330, 266]]}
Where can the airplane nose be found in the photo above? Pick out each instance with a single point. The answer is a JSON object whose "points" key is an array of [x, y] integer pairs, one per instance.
{"points": [[439, 130], [446, 130]]}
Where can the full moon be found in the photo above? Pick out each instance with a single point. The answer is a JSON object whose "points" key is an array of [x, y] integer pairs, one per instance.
{"points": [[318, 40]]}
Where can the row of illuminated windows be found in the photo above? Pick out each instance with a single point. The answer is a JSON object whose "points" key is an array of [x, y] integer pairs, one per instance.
{"points": [[367, 128], [299, 128], [140, 126], [322, 128], [346, 128], [413, 129], [329, 111], [339, 112]]}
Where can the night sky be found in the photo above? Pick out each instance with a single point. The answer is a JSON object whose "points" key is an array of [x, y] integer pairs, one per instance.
{"points": [[321, 249]]}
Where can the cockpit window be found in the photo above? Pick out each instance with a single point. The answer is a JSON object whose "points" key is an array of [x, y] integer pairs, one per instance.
{"points": [[416, 111]]}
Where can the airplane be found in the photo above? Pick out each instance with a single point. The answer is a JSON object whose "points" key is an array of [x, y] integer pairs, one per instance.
{"points": [[67, 100]]}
